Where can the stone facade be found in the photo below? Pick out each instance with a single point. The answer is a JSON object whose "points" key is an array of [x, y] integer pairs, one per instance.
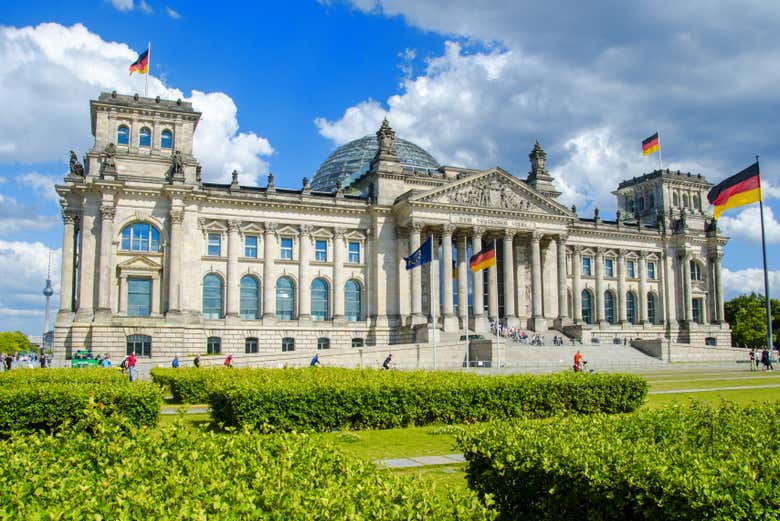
{"points": [[157, 260]]}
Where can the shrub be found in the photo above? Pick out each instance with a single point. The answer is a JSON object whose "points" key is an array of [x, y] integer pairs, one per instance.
{"points": [[19, 377], [694, 462], [178, 473], [52, 406], [191, 385], [324, 399]]}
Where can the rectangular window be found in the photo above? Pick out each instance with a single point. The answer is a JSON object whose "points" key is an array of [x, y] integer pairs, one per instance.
{"points": [[250, 345], [141, 345], [586, 266], [630, 271], [609, 267], [354, 253], [286, 248], [320, 250], [288, 344], [213, 345], [250, 246], [357, 342], [323, 343], [139, 297], [651, 270], [215, 245], [698, 315]]}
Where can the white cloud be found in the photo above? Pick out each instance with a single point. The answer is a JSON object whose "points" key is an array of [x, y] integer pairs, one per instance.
{"points": [[172, 13], [17, 217], [42, 184], [122, 5], [39, 83], [746, 225], [356, 122], [146, 8], [744, 282]]}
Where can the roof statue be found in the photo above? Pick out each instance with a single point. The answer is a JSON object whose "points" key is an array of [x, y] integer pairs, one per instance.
{"points": [[76, 168]]}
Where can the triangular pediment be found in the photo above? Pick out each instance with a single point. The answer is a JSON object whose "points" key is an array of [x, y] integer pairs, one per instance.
{"points": [[494, 189], [139, 263]]}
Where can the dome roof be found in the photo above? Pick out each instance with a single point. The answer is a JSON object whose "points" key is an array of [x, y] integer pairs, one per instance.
{"points": [[353, 159]]}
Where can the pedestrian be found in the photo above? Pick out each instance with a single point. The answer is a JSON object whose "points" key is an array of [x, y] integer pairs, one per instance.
{"points": [[43, 360], [229, 361], [175, 362], [315, 360], [577, 361], [753, 361], [106, 363], [196, 362], [131, 361], [387, 362], [766, 360], [9, 360]]}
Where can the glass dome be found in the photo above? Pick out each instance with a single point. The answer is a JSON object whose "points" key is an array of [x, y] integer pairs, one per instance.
{"points": [[353, 159]]}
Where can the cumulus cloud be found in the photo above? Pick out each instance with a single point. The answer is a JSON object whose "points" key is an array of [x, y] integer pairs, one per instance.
{"points": [[42, 184], [172, 13], [746, 225], [39, 83], [19, 217], [122, 5], [744, 282]]}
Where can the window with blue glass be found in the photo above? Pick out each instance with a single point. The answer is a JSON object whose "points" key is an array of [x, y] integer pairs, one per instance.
{"points": [[354, 252], [609, 267], [651, 308], [288, 344], [587, 306], [214, 245], [321, 250], [609, 307], [651, 270], [213, 345], [249, 298], [586, 266], [285, 299], [212, 296], [145, 137], [319, 300], [352, 301], [141, 345], [122, 135], [250, 246], [166, 139], [631, 269], [695, 271], [286, 251], [140, 237], [139, 297], [631, 307]]}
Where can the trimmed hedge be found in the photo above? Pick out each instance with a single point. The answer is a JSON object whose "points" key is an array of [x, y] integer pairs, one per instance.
{"points": [[53, 406], [323, 399], [191, 385], [18, 377], [694, 462], [178, 473]]}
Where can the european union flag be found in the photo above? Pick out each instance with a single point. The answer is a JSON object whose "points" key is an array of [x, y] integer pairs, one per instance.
{"points": [[421, 255]]}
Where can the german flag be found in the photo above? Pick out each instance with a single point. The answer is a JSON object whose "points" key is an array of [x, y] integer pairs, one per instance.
{"points": [[141, 65], [738, 190], [650, 145], [484, 259]]}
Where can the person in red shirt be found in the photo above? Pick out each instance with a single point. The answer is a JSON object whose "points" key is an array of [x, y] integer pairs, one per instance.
{"points": [[578, 361], [131, 360], [229, 361]]}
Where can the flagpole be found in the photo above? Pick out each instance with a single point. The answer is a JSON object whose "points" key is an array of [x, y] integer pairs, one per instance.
{"points": [[498, 319], [433, 302], [660, 161], [770, 344], [148, 67]]}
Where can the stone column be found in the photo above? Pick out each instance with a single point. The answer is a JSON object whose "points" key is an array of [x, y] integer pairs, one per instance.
{"points": [[642, 299], [68, 245], [660, 302], [450, 321], [87, 258], [563, 306], [233, 251], [414, 245], [338, 273], [621, 285], [493, 287], [686, 260], [538, 321], [477, 300], [304, 285], [434, 283], [106, 240], [510, 313], [174, 256], [721, 315], [576, 290], [123, 294], [269, 253], [600, 315], [463, 281]]}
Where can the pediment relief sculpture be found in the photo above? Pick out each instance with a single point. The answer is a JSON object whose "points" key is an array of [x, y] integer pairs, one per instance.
{"points": [[488, 192]]}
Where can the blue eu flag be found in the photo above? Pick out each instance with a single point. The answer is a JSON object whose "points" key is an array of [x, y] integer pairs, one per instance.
{"points": [[420, 256]]}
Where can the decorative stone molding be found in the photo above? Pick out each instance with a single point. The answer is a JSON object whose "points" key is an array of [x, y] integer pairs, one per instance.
{"points": [[107, 212], [306, 230], [69, 216], [478, 232], [417, 226], [448, 229], [271, 227], [509, 233], [536, 236], [339, 232], [177, 216], [234, 225]]}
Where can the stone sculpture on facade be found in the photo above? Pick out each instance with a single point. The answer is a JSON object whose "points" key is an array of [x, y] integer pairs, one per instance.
{"points": [[76, 168], [108, 161], [177, 167]]}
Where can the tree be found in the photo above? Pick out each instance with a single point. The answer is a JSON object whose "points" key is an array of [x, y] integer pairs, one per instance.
{"points": [[747, 316], [14, 342]]}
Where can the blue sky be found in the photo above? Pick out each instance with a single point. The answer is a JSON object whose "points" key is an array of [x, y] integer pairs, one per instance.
{"points": [[281, 85]]}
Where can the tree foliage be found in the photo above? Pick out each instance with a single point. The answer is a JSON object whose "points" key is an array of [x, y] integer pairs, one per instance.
{"points": [[14, 342], [747, 316]]}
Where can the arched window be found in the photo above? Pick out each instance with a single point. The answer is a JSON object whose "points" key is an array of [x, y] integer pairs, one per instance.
{"points": [[145, 137], [166, 139], [609, 307], [212, 296], [122, 135], [696, 202], [141, 345], [285, 299], [651, 308], [140, 237], [319, 300], [587, 307], [695, 270], [675, 199], [631, 307], [651, 201], [686, 201], [352, 301], [250, 298]]}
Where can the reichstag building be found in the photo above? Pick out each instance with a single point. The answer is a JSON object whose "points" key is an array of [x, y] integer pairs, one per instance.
{"points": [[158, 261]]}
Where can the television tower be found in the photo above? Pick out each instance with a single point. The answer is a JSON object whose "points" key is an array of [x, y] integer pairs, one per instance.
{"points": [[47, 292]]}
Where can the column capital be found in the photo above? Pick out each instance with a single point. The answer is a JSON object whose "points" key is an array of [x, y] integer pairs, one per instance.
{"points": [[417, 226], [69, 216], [577, 249], [643, 254], [478, 231], [622, 252], [448, 229], [270, 227], [339, 232], [536, 236], [600, 251], [561, 238], [177, 216], [306, 230], [509, 233], [107, 212], [234, 225]]}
